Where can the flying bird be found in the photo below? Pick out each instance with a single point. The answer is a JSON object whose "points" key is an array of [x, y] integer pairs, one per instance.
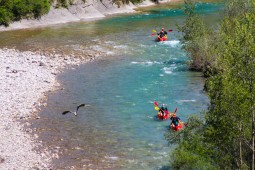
{"points": [[75, 112]]}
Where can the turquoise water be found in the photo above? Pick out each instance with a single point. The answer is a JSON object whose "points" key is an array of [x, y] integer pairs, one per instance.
{"points": [[118, 130]]}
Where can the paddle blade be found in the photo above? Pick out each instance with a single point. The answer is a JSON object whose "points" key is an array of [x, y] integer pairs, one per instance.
{"points": [[155, 103], [153, 31], [176, 110], [153, 34], [170, 30], [156, 108]]}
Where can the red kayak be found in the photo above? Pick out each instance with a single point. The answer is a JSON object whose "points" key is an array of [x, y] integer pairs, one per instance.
{"points": [[158, 39], [166, 115], [176, 128]]}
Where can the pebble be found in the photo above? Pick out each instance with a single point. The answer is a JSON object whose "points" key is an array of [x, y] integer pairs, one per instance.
{"points": [[26, 77]]}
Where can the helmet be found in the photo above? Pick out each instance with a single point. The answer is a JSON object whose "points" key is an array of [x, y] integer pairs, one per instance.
{"points": [[163, 105]]}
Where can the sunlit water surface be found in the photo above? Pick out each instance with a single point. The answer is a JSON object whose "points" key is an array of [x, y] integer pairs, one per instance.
{"points": [[118, 130]]}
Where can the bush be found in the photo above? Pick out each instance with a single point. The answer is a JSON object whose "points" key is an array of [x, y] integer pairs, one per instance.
{"points": [[14, 10], [5, 17]]}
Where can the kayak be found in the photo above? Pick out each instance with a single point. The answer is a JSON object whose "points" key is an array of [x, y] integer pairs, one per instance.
{"points": [[166, 116], [176, 128], [158, 39]]}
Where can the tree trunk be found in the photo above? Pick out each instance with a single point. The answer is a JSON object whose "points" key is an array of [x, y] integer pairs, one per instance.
{"points": [[252, 165], [253, 111], [240, 148]]}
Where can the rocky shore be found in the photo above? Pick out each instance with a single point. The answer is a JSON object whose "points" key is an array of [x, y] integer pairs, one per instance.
{"points": [[26, 78]]}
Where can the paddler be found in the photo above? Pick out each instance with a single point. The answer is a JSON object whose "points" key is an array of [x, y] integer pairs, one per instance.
{"points": [[175, 121], [163, 110], [162, 33]]}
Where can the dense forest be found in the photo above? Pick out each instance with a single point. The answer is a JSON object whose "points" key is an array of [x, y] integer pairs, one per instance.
{"points": [[223, 136]]}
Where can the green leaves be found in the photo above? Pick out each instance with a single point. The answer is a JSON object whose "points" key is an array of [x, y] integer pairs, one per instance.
{"points": [[232, 91], [5, 16], [195, 38], [14, 10], [223, 141], [192, 152]]}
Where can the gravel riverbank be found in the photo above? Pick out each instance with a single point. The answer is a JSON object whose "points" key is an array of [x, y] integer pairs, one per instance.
{"points": [[26, 78]]}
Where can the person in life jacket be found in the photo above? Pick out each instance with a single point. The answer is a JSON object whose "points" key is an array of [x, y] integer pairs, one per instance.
{"points": [[163, 110], [175, 121], [162, 33]]}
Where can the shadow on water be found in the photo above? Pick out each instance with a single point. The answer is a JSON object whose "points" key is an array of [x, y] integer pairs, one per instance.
{"points": [[165, 168]]}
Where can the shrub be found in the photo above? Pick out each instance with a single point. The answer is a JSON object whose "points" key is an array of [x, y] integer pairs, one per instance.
{"points": [[14, 10]]}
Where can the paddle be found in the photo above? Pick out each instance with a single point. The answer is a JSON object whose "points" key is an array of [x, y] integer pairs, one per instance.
{"points": [[157, 107], [185, 124], [154, 32], [175, 110]]}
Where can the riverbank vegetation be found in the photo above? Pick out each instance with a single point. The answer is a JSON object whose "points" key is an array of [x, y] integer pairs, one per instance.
{"points": [[15, 10], [222, 137]]}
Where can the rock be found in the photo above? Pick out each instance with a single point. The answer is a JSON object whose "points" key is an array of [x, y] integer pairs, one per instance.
{"points": [[41, 64], [14, 71], [2, 160]]}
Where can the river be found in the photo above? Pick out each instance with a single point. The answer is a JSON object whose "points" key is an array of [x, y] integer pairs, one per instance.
{"points": [[118, 130]]}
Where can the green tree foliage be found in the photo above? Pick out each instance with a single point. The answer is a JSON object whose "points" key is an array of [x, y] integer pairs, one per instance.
{"points": [[13, 10], [225, 139], [232, 91], [197, 40], [5, 16], [120, 2], [63, 3], [192, 152]]}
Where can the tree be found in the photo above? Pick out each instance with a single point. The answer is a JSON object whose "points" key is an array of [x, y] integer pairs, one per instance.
{"points": [[232, 91], [228, 133], [192, 152], [14, 10], [195, 39]]}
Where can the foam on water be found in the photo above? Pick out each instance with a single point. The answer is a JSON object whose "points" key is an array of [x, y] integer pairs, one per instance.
{"points": [[109, 42], [147, 63], [168, 70], [183, 101], [120, 46], [172, 43], [110, 53]]}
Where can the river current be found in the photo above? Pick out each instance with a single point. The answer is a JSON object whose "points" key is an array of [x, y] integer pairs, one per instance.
{"points": [[118, 130]]}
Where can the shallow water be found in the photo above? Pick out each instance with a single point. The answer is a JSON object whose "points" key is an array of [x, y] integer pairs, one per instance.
{"points": [[118, 130]]}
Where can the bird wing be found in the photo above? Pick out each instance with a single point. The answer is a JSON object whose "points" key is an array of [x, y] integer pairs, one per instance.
{"points": [[65, 112], [81, 105]]}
